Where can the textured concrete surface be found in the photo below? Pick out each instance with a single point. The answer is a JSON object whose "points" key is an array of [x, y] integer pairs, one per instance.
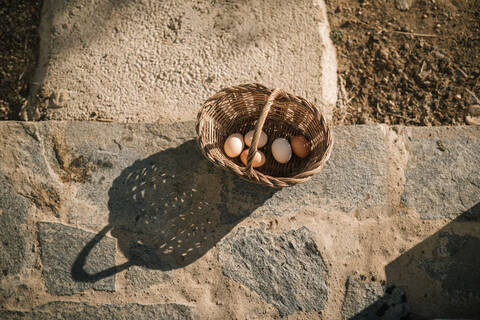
{"points": [[145, 61], [129, 218]]}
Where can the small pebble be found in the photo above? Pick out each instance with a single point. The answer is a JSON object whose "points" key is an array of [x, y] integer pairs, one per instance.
{"points": [[473, 117]]}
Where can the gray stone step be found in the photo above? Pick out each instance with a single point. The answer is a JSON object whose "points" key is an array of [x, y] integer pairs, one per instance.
{"points": [[145, 61], [83, 311], [132, 218]]}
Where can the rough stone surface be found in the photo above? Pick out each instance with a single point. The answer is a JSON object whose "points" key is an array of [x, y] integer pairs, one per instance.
{"points": [[172, 213], [366, 299], [60, 246], [353, 177], [13, 315], [141, 278], [360, 294], [442, 174], [82, 311], [14, 245], [155, 62], [286, 270]]}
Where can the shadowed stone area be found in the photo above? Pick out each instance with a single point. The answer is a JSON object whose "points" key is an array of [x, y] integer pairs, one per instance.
{"points": [[13, 241], [60, 246], [441, 274], [82, 311], [114, 148], [286, 270], [366, 299], [442, 175], [166, 210], [453, 276]]}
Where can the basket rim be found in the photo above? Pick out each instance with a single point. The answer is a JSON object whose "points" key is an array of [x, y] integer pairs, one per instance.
{"points": [[253, 175]]}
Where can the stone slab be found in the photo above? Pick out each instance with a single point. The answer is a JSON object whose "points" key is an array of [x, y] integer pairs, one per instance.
{"points": [[403, 5], [443, 170], [61, 246], [287, 270], [367, 299], [354, 176], [141, 278], [15, 244], [144, 179], [157, 62], [81, 311]]}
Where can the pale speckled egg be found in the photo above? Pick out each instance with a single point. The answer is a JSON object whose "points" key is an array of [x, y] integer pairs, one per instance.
{"points": [[262, 141], [300, 146], [281, 150], [258, 159], [233, 145]]}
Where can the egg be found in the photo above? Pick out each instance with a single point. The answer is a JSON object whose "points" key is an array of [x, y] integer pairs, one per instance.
{"points": [[258, 158], [234, 145], [281, 150], [300, 146], [262, 141]]}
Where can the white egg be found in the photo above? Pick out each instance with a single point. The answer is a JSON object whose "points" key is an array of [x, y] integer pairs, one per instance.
{"points": [[233, 145], [281, 150], [262, 141]]}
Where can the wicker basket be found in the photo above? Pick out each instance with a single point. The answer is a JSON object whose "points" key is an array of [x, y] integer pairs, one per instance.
{"points": [[279, 114]]}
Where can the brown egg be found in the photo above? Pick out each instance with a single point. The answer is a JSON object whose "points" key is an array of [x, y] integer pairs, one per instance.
{"points": [[258, 159], [300, 146]]}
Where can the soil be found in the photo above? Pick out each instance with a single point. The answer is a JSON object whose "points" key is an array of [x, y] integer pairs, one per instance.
{"points": [[18, 53], [411, 67]]}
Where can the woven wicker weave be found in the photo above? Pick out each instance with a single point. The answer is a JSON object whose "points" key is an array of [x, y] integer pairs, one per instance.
{"points": [[242, 108]]}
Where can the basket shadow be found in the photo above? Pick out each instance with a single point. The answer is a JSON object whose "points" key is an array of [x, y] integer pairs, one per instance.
{"points": [[169, 209]]}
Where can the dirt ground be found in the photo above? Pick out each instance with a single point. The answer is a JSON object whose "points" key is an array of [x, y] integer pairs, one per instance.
{"points": [[406, 67], [413, 67], [18, 53]]}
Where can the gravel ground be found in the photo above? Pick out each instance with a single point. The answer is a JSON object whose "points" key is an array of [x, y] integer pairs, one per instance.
{"points": [[412, 67]]}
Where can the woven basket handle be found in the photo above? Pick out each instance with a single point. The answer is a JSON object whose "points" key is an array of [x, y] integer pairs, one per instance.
{"points": [[258, 128]]}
